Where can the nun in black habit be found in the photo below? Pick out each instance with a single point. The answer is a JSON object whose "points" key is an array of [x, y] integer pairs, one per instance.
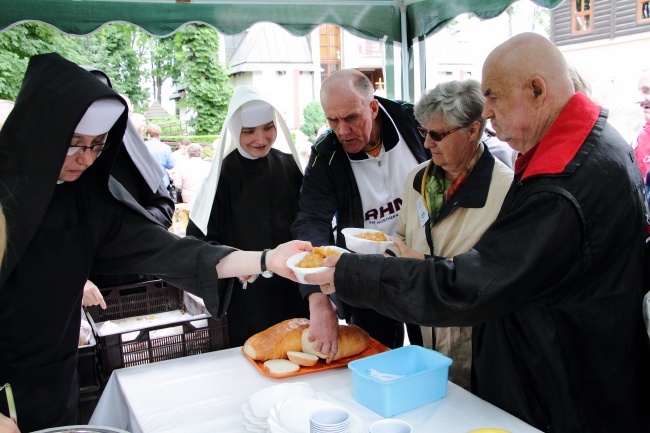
{"points": [[249, 201], [66, 216]]}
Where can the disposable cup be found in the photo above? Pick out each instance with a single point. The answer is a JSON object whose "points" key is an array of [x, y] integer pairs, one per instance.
{"points": [[390, 426]]}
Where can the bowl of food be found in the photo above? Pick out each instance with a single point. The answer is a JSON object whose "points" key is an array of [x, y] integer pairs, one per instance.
{"points": [[366, 241], [306, 263]]}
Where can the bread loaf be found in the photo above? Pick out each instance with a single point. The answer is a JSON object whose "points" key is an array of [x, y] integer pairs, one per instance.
{"points": [[352, 340], [280, 367], [276, 341]]}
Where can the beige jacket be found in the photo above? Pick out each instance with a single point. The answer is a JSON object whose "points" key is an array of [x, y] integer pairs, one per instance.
{"points": [[455, 234]]}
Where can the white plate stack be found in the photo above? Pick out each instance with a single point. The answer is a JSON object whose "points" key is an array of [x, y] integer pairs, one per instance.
{"points": [[256, 411], [293, 416]]}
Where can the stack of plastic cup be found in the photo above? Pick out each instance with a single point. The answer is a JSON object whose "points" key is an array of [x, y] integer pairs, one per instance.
{"points": [[329, 421]]}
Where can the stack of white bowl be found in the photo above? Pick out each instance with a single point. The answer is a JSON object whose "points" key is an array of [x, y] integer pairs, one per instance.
{"points": [[329, 421], [293, 416]]}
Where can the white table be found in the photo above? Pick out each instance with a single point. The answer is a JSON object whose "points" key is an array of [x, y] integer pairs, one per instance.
{"points": [[205, 393]]}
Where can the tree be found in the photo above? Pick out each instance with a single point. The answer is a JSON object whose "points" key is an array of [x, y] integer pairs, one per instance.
{"points": [[112, 50], [129, 56], [116, 49], [197, 66], [314, 120], [162, 52], [20, 43]]}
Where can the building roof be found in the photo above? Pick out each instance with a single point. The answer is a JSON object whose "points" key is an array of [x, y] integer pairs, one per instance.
{"points": [[156, 111], [266, 45]]}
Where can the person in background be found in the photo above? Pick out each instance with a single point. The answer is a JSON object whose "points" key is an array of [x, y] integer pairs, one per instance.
{"points": [[152, 194], [181, 154], [190, 174], [356, 173], [641, 144], [65, 221], [139, 121], [580, 83], [554, 287], [460, 192], [248, 201], [160, 151]]}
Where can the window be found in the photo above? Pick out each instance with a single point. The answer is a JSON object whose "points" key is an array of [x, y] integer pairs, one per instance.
{"points": [[330, 50], [643, 12], [581, 17]]}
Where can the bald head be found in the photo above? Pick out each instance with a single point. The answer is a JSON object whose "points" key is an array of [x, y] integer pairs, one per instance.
{"points": [[347, 97], [526, 82], [346, 81]]}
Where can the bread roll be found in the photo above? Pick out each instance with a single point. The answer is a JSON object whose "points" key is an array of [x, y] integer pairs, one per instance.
{"points": [[276, 341], [352, 340], [280, 367], [302, 358]]}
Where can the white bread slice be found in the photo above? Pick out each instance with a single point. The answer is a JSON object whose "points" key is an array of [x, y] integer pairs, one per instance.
{"points": [[302, 358], [280, 367]]}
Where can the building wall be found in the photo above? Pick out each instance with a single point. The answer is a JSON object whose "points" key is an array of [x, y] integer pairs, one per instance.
{"points": [[611, 19], [611, 58]]}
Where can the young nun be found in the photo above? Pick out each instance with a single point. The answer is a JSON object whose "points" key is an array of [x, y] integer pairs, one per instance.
{"points": [[65, 220], [249, 200]]}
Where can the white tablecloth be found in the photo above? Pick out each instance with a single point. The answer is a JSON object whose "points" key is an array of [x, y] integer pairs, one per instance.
{"points": [[205, 393]]}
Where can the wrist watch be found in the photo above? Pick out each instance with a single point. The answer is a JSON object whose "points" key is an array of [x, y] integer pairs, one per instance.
{"points": [[265, 272]]}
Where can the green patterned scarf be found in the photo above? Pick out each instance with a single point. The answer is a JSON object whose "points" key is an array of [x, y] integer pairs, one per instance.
{"points": [[434, 190]]}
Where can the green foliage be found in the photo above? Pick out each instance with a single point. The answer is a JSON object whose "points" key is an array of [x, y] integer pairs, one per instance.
{"points": [[208, 91], [113, 49], [20, 43], [314, 119]]}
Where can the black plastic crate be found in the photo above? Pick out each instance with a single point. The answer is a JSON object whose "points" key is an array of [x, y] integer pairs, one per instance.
{"points": [[88, 399], [88, 367], [198, 333]]}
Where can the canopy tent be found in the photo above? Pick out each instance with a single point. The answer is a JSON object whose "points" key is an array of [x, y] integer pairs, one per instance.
{"points": [[391, 20]]}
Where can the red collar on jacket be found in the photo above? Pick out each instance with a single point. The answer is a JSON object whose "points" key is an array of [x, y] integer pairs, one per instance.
{"points": [[562, 141]]}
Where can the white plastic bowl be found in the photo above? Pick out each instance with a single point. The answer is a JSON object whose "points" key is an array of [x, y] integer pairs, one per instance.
{"points": [[364, 246], [301, 272]]}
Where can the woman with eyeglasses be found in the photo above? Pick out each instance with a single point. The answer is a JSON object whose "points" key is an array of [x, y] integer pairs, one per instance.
{"points": [[67, 218], [452, 199]]}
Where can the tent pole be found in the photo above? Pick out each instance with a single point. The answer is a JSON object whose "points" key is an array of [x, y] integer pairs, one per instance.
{"points": [[405, 53]]}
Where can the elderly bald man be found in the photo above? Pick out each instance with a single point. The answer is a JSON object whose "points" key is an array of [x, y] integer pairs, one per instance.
{"points": [[553, 288]]}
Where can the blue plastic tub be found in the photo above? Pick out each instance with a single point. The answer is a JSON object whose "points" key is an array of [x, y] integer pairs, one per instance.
{"points": [[424, 379]]}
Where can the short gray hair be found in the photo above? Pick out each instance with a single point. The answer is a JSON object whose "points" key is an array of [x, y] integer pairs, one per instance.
{"points": [[458, 103], [194, 150]]}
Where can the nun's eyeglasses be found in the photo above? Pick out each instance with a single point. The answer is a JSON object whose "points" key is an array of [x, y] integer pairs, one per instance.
{"points": [[95, 149], [436, 136]]}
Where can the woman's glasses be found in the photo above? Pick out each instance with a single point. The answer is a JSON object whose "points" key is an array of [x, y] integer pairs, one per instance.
{"points": [[436, 136], [95, 149]]}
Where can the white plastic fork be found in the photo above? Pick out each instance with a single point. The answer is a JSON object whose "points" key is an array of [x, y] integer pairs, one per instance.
{"points": [[385, 377]]}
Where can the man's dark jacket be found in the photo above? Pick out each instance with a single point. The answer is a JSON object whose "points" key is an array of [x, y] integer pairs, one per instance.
{"points": [[553, 288], [329, 187]]}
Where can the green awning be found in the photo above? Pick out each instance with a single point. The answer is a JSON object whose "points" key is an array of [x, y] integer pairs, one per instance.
{"points": [[374, 19]]}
